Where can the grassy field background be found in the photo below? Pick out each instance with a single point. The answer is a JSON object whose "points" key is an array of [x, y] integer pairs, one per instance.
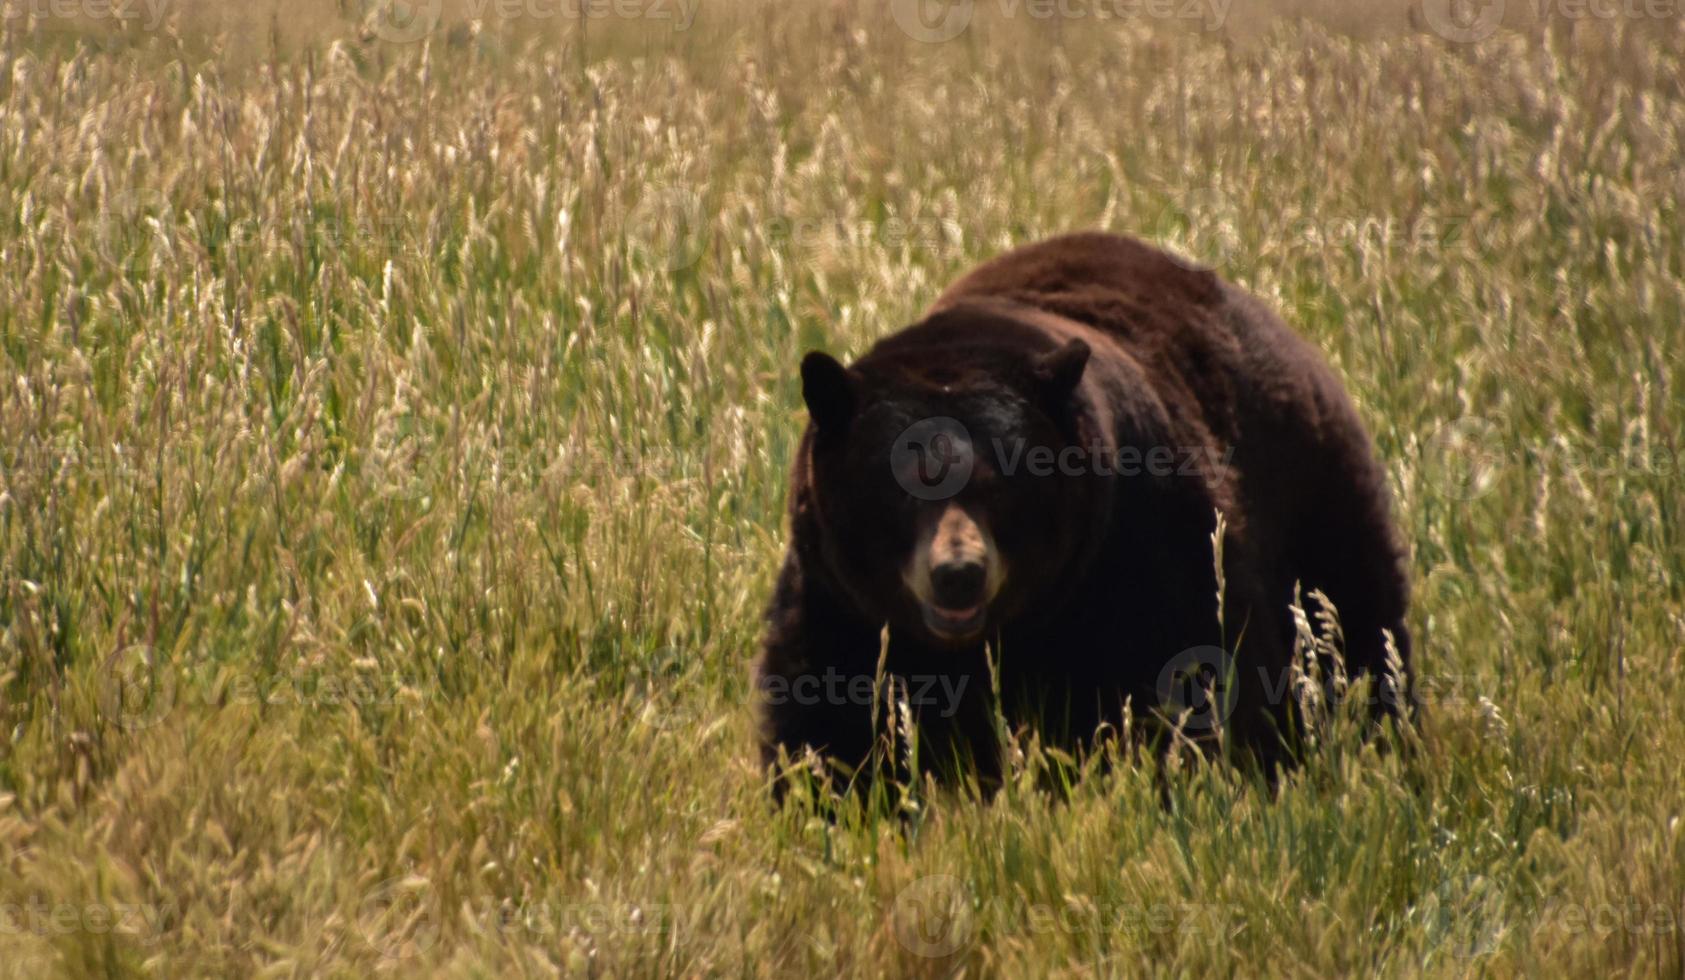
{"points": [[394, 449]]}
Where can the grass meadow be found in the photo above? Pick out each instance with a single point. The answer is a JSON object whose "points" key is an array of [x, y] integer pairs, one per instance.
{"points": [[396, 420]]}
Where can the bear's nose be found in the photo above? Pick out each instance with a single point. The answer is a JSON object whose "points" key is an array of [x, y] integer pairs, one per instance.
{"points": [[957, 584]]}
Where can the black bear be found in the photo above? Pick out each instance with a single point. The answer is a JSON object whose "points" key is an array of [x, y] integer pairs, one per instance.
{"points": [[1017, 496]]}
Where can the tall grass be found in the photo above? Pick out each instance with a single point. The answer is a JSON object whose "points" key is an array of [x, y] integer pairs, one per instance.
{"points": [[394, 451]]}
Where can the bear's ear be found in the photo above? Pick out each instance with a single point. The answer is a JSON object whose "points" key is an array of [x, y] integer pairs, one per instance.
{"points": [[832, 392], [1058, 371]]}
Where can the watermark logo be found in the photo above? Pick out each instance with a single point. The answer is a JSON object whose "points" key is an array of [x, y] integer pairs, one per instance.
{"points": [[668, 227], [933, 458], [1197, 689], [1469, 911], [1213, 223], [405, 21], [1463, 457], [132, 223], [652, 688], [932, 916], [135, 691], [400, 917], [1463, 21], [932, 21]]}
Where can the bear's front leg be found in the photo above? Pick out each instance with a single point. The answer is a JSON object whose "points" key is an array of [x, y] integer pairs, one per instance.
{"points": [[816, 681]]}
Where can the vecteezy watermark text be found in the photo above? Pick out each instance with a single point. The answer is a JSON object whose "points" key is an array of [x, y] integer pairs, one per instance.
{"points": [[833, 687], [1468, 21], [935, 21], [938, 916], [147, 14], [935, 458], [407, 21], [39, 917], [405, 916]]}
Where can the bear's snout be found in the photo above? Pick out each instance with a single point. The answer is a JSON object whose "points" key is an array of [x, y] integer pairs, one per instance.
{"points": [[954, 573]]}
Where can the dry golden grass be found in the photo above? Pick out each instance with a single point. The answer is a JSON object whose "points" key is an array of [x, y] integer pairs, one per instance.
{"points": [[394, 451]]}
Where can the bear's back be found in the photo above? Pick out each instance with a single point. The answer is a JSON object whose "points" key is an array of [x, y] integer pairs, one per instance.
{"points": [[1093, 272], [1202, 340]]}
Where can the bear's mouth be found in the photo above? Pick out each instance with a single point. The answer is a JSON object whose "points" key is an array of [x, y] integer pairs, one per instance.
{"points": [[954, 624]]}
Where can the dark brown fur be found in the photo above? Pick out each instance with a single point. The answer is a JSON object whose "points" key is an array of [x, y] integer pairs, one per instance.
{"points": [[1113, 575]]}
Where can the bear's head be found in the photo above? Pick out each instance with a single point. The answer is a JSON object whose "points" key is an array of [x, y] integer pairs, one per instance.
{"points": [[943, 483]]}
